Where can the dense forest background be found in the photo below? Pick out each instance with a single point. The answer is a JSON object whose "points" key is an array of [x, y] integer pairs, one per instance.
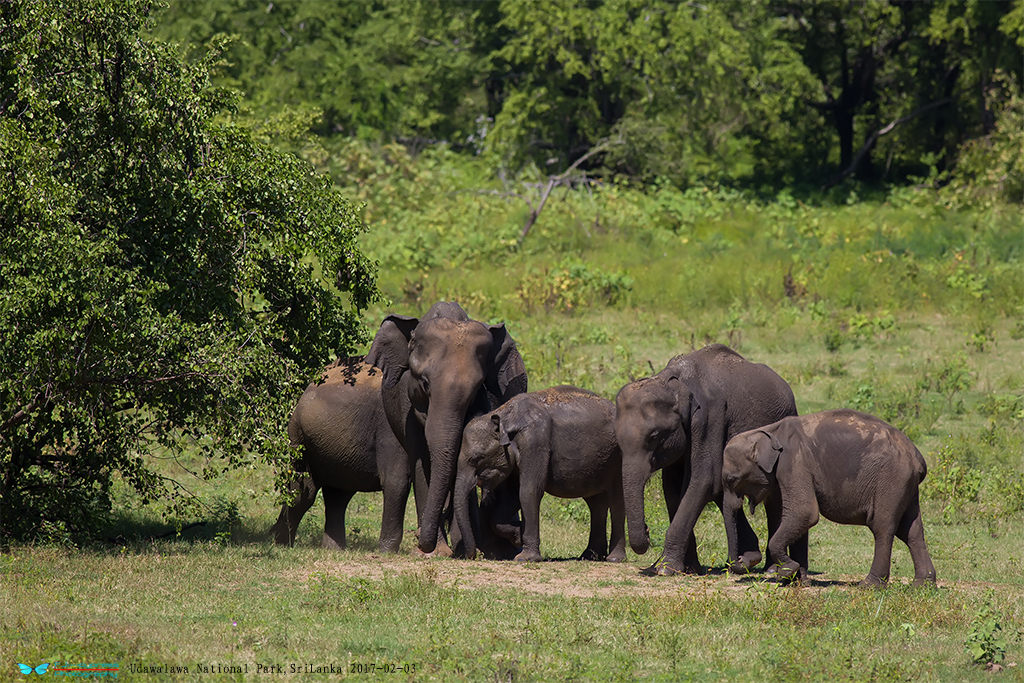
{"points": [[756, 94]]}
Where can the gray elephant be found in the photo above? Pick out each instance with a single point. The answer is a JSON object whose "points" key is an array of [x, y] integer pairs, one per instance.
{"points": [[348, 446], [560, 441], [440, 371], [849, 467], [679, 421]]}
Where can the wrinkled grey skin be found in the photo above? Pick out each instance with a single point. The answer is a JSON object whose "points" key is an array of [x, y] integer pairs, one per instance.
{"points": [[679, 421], [348, 446], [560, 441], [849, 467], [440, 371]]}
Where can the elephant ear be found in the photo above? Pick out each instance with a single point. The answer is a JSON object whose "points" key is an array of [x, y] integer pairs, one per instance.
{"points": [[767, 455], [692, 406], [506, 433], [506, 372], [390, 348]]}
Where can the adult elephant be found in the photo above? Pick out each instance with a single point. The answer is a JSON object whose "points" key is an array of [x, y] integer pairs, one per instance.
{"points": [[348, 446], [679, 421], [440, 371]]}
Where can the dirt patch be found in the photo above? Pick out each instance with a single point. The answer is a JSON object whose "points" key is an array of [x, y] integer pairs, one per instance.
{"points": [[569, 578]]}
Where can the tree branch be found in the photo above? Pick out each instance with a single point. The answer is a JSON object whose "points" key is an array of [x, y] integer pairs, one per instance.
{"points": [[555, 181], [873, 138]]}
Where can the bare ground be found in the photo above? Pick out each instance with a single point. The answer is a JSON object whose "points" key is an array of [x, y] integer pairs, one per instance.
{"points": [[569, 578]]}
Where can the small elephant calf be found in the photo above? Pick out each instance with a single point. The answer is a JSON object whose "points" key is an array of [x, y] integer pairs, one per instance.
{"points": [[560, 441], [850, 467]]}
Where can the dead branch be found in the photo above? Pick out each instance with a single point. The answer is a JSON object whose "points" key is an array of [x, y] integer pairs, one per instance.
{"points": [[873, 138]]}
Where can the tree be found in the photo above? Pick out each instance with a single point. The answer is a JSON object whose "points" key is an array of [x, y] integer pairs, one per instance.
{"points": [[165, 280], [695, 91], [922, 68], [395, 69]]}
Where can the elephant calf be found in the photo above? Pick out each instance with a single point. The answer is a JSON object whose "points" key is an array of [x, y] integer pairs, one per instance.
{"points": [[560, 441], [850, 467]]}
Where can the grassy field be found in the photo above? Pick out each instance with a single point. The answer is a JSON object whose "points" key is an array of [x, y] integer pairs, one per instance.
{"points": [[906, 311]]}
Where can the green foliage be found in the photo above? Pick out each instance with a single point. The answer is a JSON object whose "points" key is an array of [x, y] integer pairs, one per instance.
{"points": [[953, 481], [166, 281], [990, 168], [571, 284], [724, 93], [416, 71], [987, 641]]}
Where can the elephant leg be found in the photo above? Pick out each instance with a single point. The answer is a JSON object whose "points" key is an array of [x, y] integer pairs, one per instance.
{"points": [[680, 553], [791, 530], [597, 546], [396, 495], [798, 550], [879, 574], [617, 544], [500, 508], [773, 510], [530, 499], [911, 532], [676, 557], [745, 555], [335, 503], [287, 524]]}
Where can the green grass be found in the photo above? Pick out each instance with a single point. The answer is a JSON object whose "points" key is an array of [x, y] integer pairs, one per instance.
{"points": [[916, 318]]}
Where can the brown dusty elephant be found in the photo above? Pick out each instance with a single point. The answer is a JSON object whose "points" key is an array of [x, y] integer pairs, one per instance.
{"points": [[440, 371], [348, 446], [560, 441], [844, 465], [679, 421]]}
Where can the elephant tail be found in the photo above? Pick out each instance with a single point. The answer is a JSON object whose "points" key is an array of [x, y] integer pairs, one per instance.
{"points": [[922, 466], [296, 436]]}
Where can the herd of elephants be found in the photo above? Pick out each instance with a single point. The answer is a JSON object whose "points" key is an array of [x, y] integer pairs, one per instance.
{"points": [[440, 403]]}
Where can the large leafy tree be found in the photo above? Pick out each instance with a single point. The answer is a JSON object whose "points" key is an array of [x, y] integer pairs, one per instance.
{"points": [[166, 282], [909, 77], [402, 69], [685, 91]]}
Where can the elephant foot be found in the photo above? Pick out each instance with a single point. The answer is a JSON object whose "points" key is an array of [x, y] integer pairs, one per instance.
{"points": [[528, 556], [332, 544], [282, 535], [616, 556], [745, 563], [787, 573], [664, 567], [872, 581], [927, 580], [591, 555]]}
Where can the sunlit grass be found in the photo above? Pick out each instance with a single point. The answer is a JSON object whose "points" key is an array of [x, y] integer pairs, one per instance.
{"points": [[904, 336]]}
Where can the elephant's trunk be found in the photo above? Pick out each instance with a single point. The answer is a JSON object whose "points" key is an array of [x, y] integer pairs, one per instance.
{"points": [[444, 437], [732, 509], [633, 483], [465, 486]]}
